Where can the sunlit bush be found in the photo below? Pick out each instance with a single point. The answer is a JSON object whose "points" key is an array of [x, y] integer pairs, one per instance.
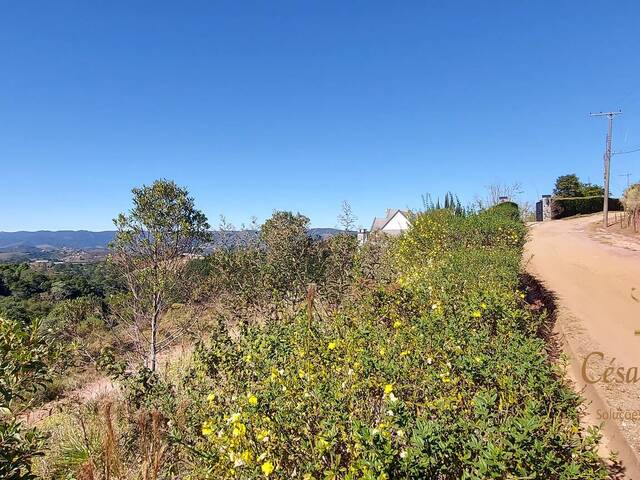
{"points": [[436, 373]]}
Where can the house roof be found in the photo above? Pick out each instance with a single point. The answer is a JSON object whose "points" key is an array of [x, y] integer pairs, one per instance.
{"points": [[380, 223]]}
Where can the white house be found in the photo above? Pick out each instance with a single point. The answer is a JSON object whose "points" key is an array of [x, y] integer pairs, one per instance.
{"points": [[394, 223]]}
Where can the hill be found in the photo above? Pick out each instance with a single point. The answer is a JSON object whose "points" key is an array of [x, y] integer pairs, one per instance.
{"points": [[62, 244]]}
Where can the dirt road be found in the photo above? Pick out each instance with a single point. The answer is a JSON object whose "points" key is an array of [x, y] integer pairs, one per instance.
{"points": [[595, 276]]}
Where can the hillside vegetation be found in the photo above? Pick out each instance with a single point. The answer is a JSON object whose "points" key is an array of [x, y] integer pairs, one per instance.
{"points": [[416, 357]]}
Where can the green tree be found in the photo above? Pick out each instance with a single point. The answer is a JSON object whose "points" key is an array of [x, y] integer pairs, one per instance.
{"points": [[592, 190], [568, 186], [288, 253], [151, 249]]}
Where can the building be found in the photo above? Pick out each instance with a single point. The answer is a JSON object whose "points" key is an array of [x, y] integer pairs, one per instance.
{"points": [[395, 222]]}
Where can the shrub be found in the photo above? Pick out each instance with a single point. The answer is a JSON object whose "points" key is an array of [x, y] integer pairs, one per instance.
{"points": [[631, 198], [435, 374], [25, 356], [568, 207], [509, 209]]}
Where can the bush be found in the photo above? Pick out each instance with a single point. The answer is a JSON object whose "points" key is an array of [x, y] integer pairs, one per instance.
{"points": [[438, 374], [631, 198], [509, 209], [25, 356], [568, 207]]}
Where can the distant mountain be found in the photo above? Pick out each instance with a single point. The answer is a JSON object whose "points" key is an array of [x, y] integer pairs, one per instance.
{"points": [[45, 243], [45, 239]]}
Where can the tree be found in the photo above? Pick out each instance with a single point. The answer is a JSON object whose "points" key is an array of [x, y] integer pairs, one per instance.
{"points": [[567, 186], [150, 251], [570, 186], [591, 190], [347, 219], [289, 256]]}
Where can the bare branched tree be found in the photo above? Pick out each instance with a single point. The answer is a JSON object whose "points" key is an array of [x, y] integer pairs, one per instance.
{"points": [[151, 249], [495, 191]]}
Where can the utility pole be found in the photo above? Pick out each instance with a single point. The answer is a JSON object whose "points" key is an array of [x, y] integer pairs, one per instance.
{"points": [[607, 162], [628, 175]]}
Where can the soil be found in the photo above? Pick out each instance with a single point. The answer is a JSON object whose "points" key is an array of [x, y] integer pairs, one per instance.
{"points": [[594, 274]]}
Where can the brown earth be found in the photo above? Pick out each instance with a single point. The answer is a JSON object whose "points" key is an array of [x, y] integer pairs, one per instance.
{"points": [[594, 275]]}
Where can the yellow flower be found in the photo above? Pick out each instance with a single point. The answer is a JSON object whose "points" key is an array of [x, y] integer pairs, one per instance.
{"points": [[206, 429], [263, 435], [383, 351], [397, 324], [476, 314], [483, 306], [239, 429], [388, 388], [211, 397], [253, 400], [331, 346], [404, 353], [246, 456], [301, 373], [267, 468]]}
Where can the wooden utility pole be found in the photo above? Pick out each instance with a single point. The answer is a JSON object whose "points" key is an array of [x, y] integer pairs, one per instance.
{"points": [[607, 162]]}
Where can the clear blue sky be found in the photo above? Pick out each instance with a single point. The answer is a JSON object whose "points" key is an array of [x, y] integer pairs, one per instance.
{"points": [[298, 105]]}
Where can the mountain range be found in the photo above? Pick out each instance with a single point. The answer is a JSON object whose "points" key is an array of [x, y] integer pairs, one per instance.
{"points": [[65, 244]]}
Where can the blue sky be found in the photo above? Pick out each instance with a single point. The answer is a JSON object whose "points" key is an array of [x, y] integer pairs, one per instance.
{"points": [[299, 105]]}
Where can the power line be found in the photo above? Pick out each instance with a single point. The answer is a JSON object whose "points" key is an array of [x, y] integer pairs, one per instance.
{"points": [[607, 162], [628, 175], [627, 151]]}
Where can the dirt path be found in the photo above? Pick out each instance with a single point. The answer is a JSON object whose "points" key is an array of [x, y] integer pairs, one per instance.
{"points": [[595, 276], [102, 386]]}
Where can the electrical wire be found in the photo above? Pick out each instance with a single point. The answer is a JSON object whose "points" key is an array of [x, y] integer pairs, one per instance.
{"points": [[628, 151]]}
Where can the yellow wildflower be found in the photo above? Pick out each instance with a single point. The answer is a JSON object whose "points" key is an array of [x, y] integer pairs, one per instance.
{"points": [[483, 306], [239, 430], [206, 428], [383, 351], [388, 388], [476, 314], [404, 353], [267, 468], [331, 346], [253, 400], [397, 324], [246, 456]]}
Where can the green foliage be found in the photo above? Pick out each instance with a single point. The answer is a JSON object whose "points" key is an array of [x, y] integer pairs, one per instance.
{"points": [[435, 374], [150, 252], [288, 261], [509, 209], [276, 269], [451, 202], [570, 186], [25, 356], [568, 207]]}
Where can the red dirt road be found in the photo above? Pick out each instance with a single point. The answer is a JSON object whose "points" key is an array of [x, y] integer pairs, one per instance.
{"points": [[595, 276]]}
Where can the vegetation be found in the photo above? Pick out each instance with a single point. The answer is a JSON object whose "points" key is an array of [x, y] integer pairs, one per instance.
{"points": [[416, 378], [150, 253], [631, 199], [411, 357], [570, 186], [26, 357], [568, 207]]}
